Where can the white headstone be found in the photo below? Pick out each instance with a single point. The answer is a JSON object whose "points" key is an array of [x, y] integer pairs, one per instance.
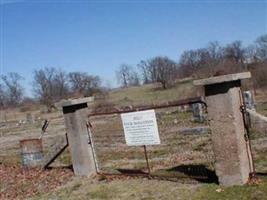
{"points": [[249, 100], [198, 112]]}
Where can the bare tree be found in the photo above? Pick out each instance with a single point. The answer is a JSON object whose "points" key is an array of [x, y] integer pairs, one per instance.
{"points": [[235, 52], [159, 69], [144, 68], [261, 45], [43, 85], [60, 82], [127, 76], [124, 74], [166, 70], [3, 97], [192, 62], [50, 85], [251, 54], [215, 52], [134, 79], [259, 74], [14, 89], [84, 84], [212, 59]]}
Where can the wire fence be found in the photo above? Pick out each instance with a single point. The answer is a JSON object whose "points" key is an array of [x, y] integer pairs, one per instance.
{"points": [[185, 145]]}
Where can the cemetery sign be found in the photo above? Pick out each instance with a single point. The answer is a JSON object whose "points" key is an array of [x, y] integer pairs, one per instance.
{"points": [[140, 128]]}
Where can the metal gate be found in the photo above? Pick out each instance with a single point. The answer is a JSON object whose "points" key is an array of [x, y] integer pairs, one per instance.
{"points": [[185, 149]]}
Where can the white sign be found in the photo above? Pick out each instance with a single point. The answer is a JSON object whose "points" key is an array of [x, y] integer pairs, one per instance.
{"points": [[140, 128]]}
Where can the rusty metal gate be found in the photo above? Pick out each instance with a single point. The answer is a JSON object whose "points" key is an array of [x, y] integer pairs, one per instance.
{"points": [[254, 139], [185, 149]]}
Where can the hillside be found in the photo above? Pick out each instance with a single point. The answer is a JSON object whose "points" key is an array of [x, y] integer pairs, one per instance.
{"points": [[152, 93]]}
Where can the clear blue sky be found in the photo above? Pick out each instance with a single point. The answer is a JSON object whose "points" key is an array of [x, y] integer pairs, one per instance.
{"points": [[97, 36]]}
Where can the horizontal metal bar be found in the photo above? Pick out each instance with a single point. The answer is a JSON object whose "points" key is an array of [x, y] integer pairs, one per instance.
{"points": [[152, 106]]}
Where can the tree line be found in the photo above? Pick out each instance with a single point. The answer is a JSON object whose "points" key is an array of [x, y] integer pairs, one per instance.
{"points": [[51, 84], [212, 60]]}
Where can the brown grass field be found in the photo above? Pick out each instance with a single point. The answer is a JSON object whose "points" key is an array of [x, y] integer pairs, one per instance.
{"points": [[181, 166]]}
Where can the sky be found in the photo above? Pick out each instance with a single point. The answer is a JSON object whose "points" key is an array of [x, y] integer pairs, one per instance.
{"points": [[97, 36]]}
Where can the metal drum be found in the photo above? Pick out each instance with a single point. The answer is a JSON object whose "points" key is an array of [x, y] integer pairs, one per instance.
{"points": [[31, 153]]}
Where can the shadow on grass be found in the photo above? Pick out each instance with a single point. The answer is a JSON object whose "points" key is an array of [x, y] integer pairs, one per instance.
{"points": [[132, 171], [261, 174], [198, 172], [70, 167]]}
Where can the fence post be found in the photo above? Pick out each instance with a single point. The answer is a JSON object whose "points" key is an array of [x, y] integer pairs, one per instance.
{"points": [[233, 162], [75, 114]]}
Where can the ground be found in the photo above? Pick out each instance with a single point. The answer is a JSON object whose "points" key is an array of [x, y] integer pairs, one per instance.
{"points": [[181, 167], [152, 189]]}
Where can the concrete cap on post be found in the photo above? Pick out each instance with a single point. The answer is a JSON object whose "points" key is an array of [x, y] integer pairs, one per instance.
{"points": [[73, 102], [222, 79]]}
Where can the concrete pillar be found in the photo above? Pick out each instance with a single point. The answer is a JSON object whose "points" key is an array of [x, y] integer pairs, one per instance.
{"points": [[75, 115], [223, 96]]}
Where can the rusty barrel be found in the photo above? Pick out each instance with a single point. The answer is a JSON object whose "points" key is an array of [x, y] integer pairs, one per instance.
{"points": [[31, 153]]}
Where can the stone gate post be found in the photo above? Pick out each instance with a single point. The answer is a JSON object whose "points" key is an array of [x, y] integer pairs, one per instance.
{"points": [[75, 116], [233, 162]]}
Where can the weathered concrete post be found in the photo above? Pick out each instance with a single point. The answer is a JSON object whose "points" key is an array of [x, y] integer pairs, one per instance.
{"points": [[233, 162], [75, 115]]}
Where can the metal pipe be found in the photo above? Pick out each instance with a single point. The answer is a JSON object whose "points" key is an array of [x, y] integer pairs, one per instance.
{"points": [[168, 104], [247, 135], [147, 163], [91, 143]]}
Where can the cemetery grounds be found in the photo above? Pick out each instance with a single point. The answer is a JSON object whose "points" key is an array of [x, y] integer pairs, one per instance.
{"points": [[181, 166]]}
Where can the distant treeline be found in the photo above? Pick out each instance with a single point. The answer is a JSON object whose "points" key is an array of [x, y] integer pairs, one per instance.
{"points": [[49, 85], [52, 84], [212, 60]]}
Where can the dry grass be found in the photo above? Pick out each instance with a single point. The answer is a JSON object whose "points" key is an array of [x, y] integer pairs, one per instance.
{"points": [[261, 102], [17, 183], [148, 94], [153, 190], [134, 189], [176, 150]]}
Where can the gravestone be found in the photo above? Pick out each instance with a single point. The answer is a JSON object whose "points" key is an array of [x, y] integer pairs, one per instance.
{"points": [[249, 100], [198, 112], [184, 108], [29, 118], [233, 162]]}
